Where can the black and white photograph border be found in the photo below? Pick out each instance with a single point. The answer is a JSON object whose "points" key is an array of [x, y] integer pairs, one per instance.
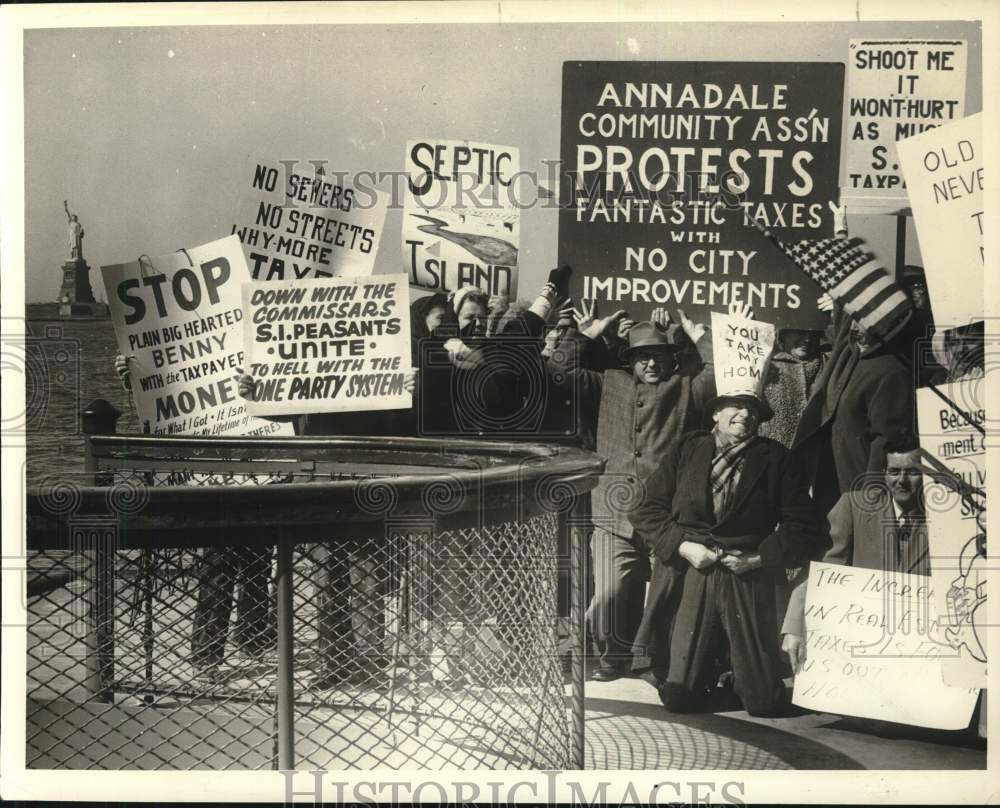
{"points": [[132, 696]]}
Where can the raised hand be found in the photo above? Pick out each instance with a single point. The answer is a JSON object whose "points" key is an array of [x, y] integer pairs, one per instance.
{"points": [[122, 369], [660, 317], [694, 330], [743, 310], [599, 326], [585, 315], [559, 308], [244, 384], [569, 313], [624, 326], [839, 217], [497, 305], [457, 350]]}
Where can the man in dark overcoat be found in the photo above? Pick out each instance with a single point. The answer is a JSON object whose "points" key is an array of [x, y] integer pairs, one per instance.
{"points": [[724, 516], [642, 413], [863, 398]]}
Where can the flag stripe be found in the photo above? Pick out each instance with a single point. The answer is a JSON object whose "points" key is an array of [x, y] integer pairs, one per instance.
{"points": [[875, 303], [862, 288]]}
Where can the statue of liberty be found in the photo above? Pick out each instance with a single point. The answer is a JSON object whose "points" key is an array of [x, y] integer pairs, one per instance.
{"points": [[76, 234]]}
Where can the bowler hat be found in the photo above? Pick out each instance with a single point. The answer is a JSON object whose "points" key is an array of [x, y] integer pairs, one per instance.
{"points": [[649, 335], [746, 398]]}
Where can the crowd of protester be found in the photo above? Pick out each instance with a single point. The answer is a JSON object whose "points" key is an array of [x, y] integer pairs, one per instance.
{"points": [[710, 507]]}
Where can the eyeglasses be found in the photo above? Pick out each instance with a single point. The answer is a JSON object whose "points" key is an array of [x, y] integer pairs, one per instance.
{"points": [[646, 358]]}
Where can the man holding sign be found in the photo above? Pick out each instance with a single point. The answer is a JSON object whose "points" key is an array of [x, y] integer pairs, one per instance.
{"points": [[882, 528]]}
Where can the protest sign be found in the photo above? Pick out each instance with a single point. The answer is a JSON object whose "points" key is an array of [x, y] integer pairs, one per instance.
{"points": [[337, 345], [178, 320], [873, 648], [897, 88], [957, 559], [944, 178], [297, 220], [461, 224], [740, 348], [665, 163]]}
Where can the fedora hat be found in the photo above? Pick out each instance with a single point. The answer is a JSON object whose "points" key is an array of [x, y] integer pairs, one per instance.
{"points": [[747, 398], [648, 335]]}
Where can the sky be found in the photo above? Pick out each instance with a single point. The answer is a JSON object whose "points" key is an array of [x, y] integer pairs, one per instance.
{"points": [[145, 130]]}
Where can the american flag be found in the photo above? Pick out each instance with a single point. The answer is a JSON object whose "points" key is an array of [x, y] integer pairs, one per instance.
{"points": [[848, 271]]}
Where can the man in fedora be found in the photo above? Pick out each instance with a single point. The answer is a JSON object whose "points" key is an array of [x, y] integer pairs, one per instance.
{"points": [[642, 413], [724, 515]]}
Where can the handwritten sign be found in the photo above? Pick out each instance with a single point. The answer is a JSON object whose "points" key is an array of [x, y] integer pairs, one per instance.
{"points": [[740, 347], [898, 88], [944, 177], [958, 562], [178, 319], [461, 223], [297, 220], [873, 648], [667, 162], [336, 345]]}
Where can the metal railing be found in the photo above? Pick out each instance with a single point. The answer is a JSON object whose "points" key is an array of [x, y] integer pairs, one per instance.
{"points": [[305, 602]]}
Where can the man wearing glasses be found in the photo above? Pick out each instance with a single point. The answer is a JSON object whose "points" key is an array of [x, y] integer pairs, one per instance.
{"points": [[642, 413]]}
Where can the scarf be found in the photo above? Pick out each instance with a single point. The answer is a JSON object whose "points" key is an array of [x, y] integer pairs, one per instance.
{"points": [[726, 467]]}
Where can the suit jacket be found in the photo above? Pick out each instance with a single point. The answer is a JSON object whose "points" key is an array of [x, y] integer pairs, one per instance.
{"points": [[772, 513], [862, 534], [638, 426]]}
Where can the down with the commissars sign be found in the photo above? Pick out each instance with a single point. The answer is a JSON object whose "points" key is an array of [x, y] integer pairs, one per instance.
{"points": [[327, 345]]}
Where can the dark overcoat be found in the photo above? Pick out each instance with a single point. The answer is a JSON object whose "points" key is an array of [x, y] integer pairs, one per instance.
{"points": [[638, 425], [772, 514], [860, 401]]}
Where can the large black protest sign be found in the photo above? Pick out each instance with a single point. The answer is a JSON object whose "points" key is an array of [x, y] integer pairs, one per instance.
{"points": [[665, 162]]}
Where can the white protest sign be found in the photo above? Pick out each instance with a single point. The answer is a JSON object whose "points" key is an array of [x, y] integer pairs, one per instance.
{"points": [[179, 321], [740, 348], [461, 224], [944, 177], [957, 567], [298, 220], [338, 345], [896, 88], [873, 648]]}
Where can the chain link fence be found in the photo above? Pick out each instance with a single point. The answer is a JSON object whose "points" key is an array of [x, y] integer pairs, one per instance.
{"points": [[418, 640]]}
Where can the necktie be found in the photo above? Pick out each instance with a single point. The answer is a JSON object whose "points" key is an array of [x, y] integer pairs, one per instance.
{"points": [[904, 531]]}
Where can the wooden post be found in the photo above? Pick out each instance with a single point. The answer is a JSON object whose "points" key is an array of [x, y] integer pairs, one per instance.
{"points": [[98, 418], [900, 245], [578, 628], [99, 541]]}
